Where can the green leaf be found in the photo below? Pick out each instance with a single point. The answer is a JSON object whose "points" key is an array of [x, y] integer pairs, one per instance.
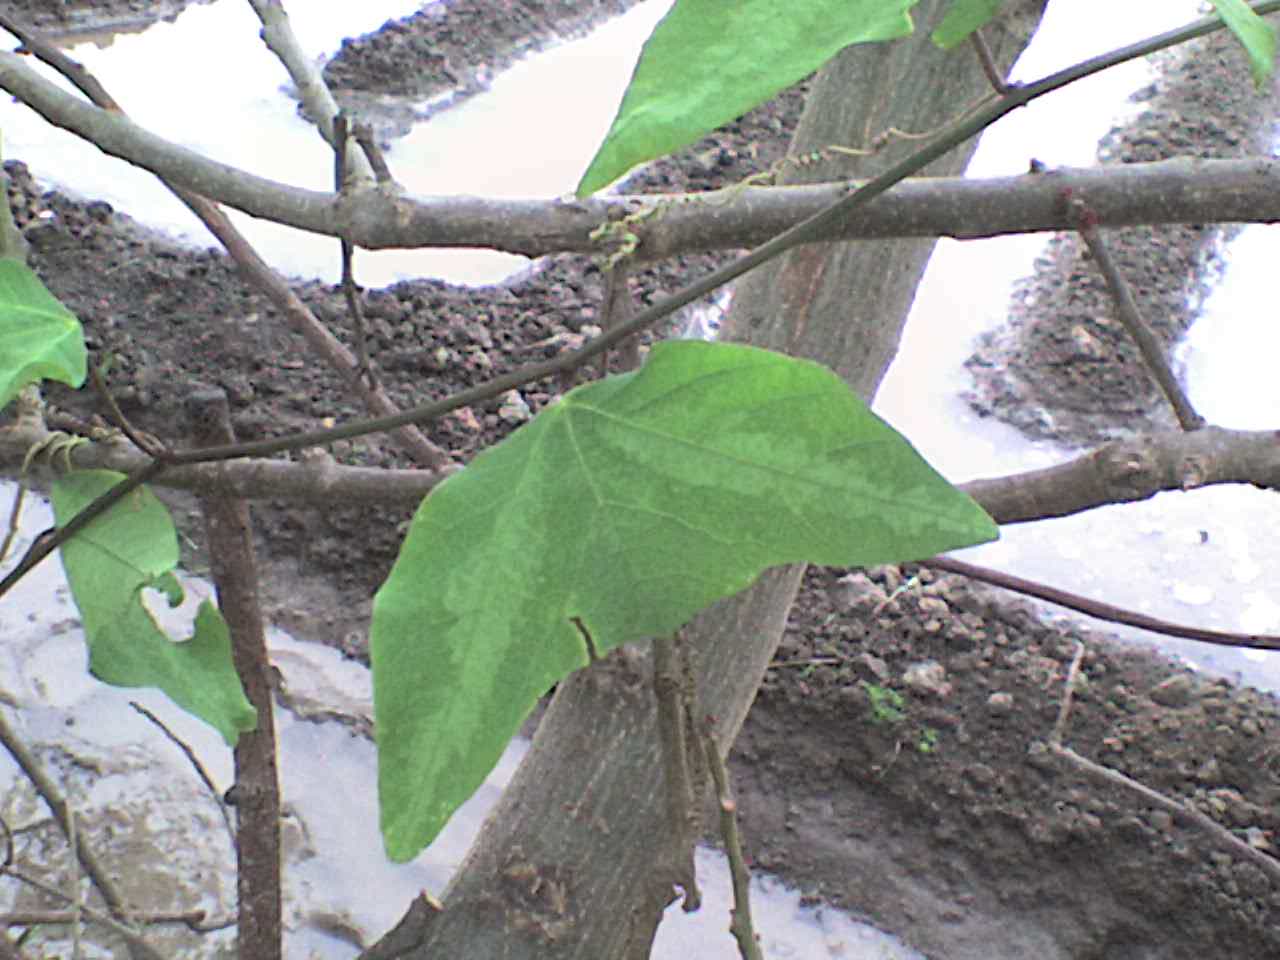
{"points": [[39, 337], [632, 504], [963, 17], [710, 61], [133, 546], [1257, 36]]}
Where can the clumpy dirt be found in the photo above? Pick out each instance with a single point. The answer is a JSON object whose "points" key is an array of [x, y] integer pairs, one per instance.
{"points": [[69, 19], [941, 813], [895, 762], [1063, 366]]}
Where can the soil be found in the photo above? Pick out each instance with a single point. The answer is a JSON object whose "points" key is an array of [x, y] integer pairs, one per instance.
{"points": [[895, 762], [1063, 367]]}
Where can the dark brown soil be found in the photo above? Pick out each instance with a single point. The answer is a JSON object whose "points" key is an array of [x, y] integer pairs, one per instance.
{"points": [[933, 808], [66, 19]]}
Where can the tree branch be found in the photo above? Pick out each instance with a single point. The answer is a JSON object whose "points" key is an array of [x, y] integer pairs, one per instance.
{"points": [[317, 102], [1129, 470], [1149, 345], [255, 269], [1182, 190], [1123, 471], [1103, 611], [379, 217]]}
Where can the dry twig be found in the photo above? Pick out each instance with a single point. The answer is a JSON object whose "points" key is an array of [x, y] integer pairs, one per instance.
{"points": [[1138, 328], [1184, 812]]}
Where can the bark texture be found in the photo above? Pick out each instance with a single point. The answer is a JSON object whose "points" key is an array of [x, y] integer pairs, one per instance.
{"points": [[566, 866]]}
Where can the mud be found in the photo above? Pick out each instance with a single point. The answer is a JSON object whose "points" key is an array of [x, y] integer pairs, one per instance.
{"points": [[895, 762]]}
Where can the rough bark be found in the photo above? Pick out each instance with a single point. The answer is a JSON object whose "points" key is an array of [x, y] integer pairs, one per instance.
{"points": [[565, 866]]}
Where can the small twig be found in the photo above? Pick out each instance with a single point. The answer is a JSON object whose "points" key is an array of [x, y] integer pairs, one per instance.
{"points": [[1138, 328], [131, 936], [29, 406], [8, 951], [1181, 811], [363, 134], [410, 932], [988, 63], [88, 860], [84, 81], [675, 761], [618, 309], [199, 768], [148, 445], [318, 102], [229, 531], [1100, 610], [364, 370], [898, 591], [692, 733], [15, 519], [76, 898], [741, 926], [32, 917], [808, 662], [1068, 691]]}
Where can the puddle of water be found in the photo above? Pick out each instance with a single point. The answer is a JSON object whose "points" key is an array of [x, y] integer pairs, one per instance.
{"points": [[1148, 556], [239, 116], [1229, 355], [42, 665], [533, 135]]}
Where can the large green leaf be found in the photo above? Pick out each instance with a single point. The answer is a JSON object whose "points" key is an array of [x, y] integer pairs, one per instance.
{"points": [[710, 61], [131, 547], [630, 505], [39, 337], [963, 17], [1256, 35]]}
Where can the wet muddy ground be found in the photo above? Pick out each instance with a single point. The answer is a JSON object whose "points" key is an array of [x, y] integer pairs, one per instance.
{"points": [[933, 808]]}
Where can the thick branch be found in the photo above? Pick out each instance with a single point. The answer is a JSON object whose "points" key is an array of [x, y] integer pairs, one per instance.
{"points": [[1131, 470], [317, 101], [1183, 190], [317, 479], [1120, 472]]}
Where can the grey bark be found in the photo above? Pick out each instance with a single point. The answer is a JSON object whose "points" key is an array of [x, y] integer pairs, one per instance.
{"points": [[565, 866]]}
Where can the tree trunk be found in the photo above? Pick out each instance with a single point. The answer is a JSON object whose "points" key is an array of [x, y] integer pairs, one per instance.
{"points": [[568, 862]]}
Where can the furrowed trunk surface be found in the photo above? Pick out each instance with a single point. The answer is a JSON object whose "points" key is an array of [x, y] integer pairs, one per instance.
{"points": [[569, 864]]}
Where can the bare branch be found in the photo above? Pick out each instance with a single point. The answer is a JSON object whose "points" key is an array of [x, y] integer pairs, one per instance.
{"points": [[1130, 470], [1183, 810], [988, 62], [1121, 472], [1103, 611], [253, 266], [1152, 351], [317, 101], [229, 533], [741, 926], [316, 479], [1183, 190]]}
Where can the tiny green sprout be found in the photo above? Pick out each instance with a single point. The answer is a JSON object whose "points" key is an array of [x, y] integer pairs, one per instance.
{"points": [[886, 704]]}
